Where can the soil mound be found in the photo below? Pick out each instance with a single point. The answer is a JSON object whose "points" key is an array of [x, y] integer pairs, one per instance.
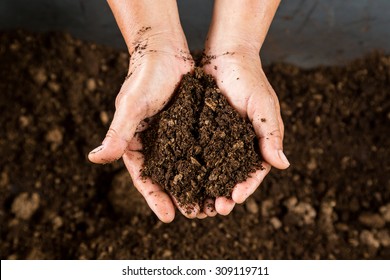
{"points": [[199, 147]]}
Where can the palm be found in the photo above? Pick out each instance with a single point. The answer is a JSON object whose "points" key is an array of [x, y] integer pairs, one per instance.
{"points": [[242, 80]]}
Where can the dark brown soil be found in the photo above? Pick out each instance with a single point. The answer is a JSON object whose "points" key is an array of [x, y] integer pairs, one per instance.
{"points": [[56, 102], [199, 147]]}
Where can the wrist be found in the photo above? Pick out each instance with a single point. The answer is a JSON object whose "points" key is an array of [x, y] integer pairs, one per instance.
{"points": [[157, 39], [149, 22], [231, 45], [240, 27]]}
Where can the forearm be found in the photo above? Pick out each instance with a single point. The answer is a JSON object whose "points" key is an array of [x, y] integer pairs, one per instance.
{"points": [[138, 20], [238, 23]]}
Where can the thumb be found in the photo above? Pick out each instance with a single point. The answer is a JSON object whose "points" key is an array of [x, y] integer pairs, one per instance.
{"points": [[268, 127], [119, 134], [271, 148]]}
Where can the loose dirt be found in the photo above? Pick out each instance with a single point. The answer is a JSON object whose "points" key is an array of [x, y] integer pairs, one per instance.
{"points": [[56, 101], [199, 147]]}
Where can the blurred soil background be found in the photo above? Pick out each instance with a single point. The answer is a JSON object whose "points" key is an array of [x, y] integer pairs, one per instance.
{"points": [[57, 100]]}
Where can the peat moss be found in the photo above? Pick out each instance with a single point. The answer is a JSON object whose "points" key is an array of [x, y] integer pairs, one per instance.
{"points": [[199, 147]]}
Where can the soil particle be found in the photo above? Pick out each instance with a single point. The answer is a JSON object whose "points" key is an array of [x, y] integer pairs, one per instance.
{"points": [[167, 254], [143, 30], [4, 179], [25, 205], [326, 220], [276, 223], [39, 75], [251, 206], [291, 202], [36, 254], [312, 164], [267, 207], [54, 86], [384, 238], [368, 238], [300, 214], [57, 222], [199, 147], [372, 220], [91, 84], [54, 136], [206, 59], [104, 118], [385, 211]]}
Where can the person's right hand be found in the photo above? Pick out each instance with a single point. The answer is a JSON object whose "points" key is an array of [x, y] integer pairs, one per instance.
{"points": [[159, 59], [156, 68]]}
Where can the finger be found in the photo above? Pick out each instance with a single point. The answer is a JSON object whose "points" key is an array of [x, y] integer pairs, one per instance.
{"points": [[159, 201], [135, 143], [224, 205], [188, 211], [143, 125], [277, 108], [201, 215], [263, 112], [121, 131], [244, 189], [128, 116], [209, 208]]}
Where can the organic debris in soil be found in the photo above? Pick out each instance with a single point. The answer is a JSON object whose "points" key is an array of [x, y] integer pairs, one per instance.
{"points": [[203, 146]]}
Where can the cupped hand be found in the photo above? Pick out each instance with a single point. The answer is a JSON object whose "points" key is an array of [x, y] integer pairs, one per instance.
{"points": [[241, 79], [155, 70]]}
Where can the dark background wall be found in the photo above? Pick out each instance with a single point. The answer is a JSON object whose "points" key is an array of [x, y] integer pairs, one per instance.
{"points": [[304, 32]]}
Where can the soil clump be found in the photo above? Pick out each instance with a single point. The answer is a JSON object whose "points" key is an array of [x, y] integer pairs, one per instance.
{"points": [[199, 147]]}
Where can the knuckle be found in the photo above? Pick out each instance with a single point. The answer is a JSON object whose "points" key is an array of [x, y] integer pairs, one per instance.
{"points": [[275, 133], [271, 99], [118, 99], [271, 133], [112, 133]]}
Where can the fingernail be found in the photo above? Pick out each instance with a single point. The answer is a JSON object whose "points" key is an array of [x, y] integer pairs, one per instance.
{"points": [[283, 157], [96, 150]]}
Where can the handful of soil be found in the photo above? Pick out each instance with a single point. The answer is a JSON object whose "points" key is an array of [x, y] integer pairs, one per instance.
{"points": [[199, 147]]}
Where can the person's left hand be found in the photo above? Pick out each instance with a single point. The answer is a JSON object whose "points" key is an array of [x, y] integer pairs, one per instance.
{"points": [[241, 79]]}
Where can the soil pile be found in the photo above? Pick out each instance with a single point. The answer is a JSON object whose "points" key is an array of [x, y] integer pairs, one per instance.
{"points": [[199, 147], [57, 99]]}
